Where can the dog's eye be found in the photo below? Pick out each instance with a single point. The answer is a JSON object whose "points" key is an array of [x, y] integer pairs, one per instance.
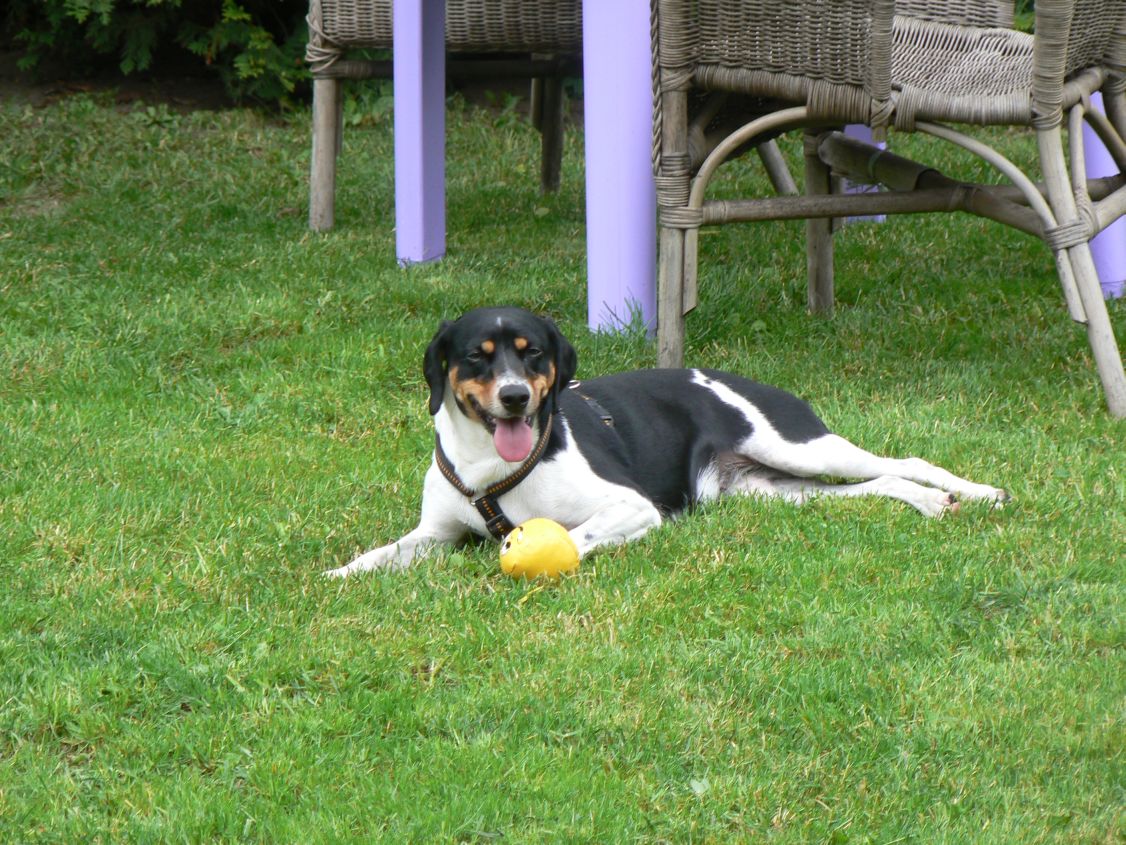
{"points": [[533, 352], [475, 357]]}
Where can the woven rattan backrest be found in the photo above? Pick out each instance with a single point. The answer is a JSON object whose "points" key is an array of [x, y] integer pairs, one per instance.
{"points": [[965, 12], [819, 40], [356, 23], [523, 25], [1092, 31], [834, 55], [1072, 35], [520, 26], [1116, 50]]}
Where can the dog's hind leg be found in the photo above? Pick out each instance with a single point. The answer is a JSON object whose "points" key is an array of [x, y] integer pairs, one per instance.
{"points": [[929, 501], [753, 479], [832, 455], [829, 454]]}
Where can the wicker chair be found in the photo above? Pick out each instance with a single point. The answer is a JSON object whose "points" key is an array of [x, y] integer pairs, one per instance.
{"points": [[902, 66], [537, 38]]}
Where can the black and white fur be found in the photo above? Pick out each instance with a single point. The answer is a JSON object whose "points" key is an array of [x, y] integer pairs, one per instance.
{"points": [[678, 437]]}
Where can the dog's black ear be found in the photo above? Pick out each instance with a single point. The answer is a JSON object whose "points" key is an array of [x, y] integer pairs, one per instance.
{"points": [[436, 364], [566, 361]]}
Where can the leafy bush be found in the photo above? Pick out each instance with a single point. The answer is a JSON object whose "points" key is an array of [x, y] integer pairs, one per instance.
{"points": [[255, 46]]}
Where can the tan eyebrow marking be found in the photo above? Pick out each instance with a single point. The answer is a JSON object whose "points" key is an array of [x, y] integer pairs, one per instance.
{"points": [[521, 343], [488, 347]]}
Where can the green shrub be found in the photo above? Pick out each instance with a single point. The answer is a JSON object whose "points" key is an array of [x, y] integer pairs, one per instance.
{"points": [[255, 46]]}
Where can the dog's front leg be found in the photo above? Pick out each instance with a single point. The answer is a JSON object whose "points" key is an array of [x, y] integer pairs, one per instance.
{"points": [[398, 555], [617, 522], [437, 526]]}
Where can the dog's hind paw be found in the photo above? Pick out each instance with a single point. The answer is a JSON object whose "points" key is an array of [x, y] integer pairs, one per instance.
{"points": [[934, 503], [952, 505]]}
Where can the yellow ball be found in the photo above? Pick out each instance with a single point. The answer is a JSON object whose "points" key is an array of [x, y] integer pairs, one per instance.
{"points": [[538, 547]]}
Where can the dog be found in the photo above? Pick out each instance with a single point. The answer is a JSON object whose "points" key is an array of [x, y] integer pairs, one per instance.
{"points": [[613, 457]]}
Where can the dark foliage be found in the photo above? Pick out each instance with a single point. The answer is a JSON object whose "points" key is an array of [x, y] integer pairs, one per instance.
{"points": [[255, 46]]}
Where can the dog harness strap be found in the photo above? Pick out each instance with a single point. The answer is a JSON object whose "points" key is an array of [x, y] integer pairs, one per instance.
{"points": [[496, 522], [487, 503], [604, 415], [447, 469]]}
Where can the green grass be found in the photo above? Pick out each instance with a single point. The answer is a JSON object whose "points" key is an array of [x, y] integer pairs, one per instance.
{"points": [[203, 405]]}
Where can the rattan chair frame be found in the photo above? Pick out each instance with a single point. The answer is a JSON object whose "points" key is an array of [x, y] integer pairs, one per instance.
{"points": [[916, 66], [541, 39]]}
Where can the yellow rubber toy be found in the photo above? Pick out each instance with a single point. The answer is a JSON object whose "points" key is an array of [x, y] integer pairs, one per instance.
{"points": [[538, 547]]}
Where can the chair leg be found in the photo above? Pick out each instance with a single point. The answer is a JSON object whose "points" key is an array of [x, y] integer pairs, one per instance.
{"points": [[1114, 103], [818, 234], [673, 193], [535, 102], [776, 168], [670, 299], [339, 98], [1100, 333], [551, 133], [322, 174]]}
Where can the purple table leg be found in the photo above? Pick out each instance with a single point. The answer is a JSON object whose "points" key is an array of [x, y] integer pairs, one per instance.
{"points": [[621, 199], [862, 133], [1108, 247], [420, 129]]}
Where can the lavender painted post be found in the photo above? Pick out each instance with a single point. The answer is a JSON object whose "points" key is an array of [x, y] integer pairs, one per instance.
{"points": [[1108, 247], [419, 64], [862, 133], [621, 199]]}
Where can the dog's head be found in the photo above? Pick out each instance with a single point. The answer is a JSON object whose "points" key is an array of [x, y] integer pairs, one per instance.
{"points": [[504, 368]]}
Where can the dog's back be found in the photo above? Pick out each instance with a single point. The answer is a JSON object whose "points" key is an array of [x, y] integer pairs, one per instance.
{"points": [[659, 430]]}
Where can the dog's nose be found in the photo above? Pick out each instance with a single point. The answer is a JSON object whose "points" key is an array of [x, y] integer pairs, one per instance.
{"points": [[514, 397]]}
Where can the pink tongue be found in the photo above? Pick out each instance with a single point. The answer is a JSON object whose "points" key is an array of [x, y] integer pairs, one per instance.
{"points": [[513, 439]]}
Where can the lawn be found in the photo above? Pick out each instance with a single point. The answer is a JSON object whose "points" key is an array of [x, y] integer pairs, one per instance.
{"points": [[203, 405]]}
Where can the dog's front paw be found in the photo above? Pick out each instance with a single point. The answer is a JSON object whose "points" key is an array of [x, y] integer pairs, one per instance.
{"points": [[387, 558], [376, 559]]}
